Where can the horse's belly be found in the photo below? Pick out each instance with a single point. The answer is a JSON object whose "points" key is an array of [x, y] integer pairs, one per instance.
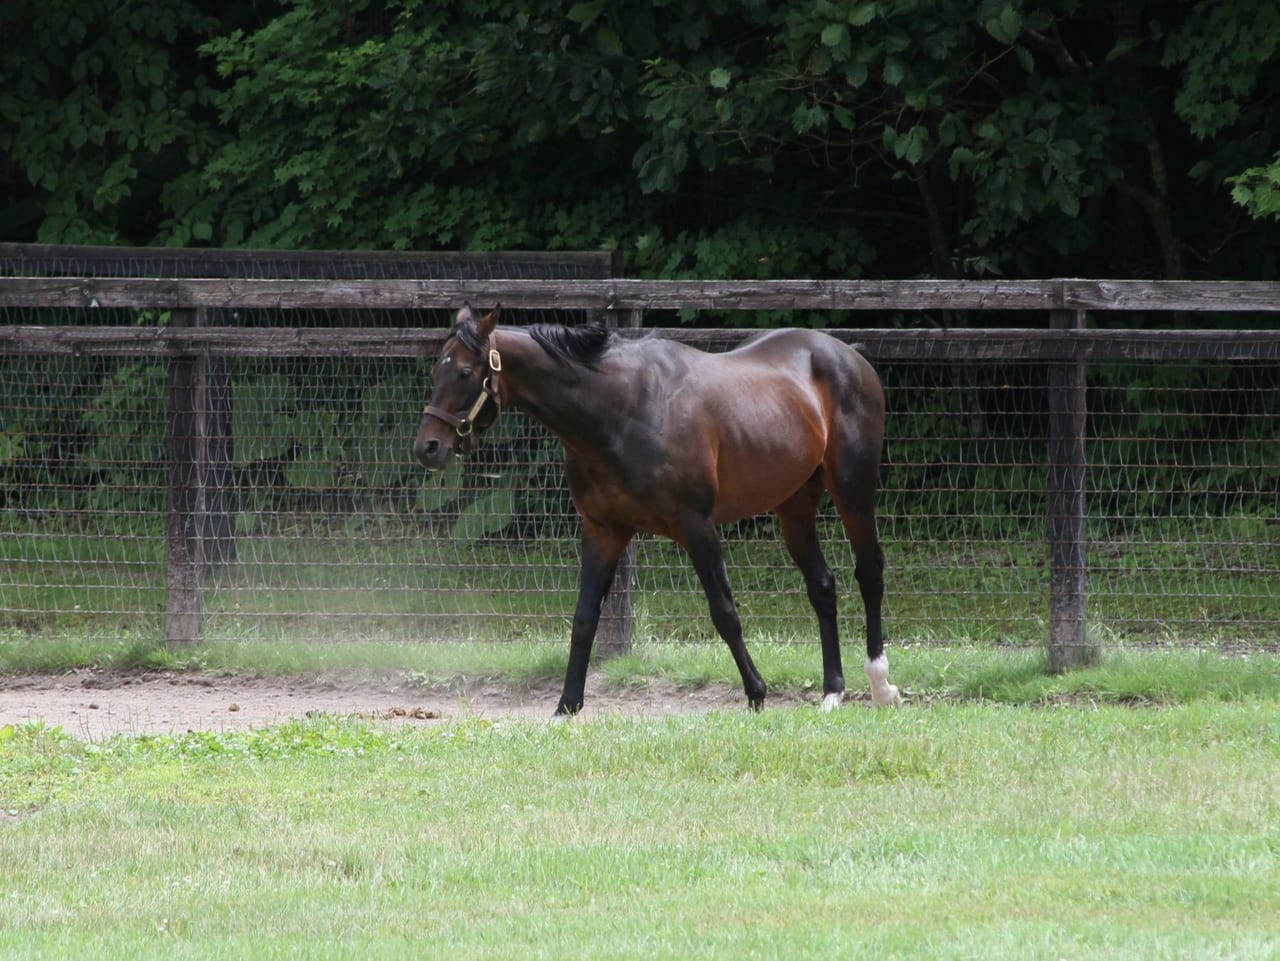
{"points": [[734, 504], [755, 481], [767, 447]]}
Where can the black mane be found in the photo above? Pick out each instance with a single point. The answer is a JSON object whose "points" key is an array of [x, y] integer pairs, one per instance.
{"points": [[583, 345]]}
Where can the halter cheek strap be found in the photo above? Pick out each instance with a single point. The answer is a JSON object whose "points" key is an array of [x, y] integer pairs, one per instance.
{"points": [[464, 426]]}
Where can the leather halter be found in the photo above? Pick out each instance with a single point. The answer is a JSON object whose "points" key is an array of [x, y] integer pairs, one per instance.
{"points": [[464, 426]]}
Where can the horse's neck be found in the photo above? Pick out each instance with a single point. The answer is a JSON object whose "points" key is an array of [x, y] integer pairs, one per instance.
{"points": [[537, 383]]}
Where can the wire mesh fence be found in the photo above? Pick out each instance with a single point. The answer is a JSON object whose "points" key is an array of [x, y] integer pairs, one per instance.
{"points": [[322, 528], [1185, 502]]}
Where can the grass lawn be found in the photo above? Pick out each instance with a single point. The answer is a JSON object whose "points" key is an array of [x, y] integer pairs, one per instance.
{"points": [[1130, 811]]}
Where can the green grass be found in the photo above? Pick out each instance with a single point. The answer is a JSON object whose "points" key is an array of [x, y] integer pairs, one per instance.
{"points": [[925, 672], [944, 830]]}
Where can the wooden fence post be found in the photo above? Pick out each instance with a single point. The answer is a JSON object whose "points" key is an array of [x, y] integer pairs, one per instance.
{"points": [[202, 494], [1068, 643], [617, 617]]}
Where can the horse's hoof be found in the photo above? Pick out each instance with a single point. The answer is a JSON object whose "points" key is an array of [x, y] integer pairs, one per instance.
{"points": [[883, 694], [832, 701]]}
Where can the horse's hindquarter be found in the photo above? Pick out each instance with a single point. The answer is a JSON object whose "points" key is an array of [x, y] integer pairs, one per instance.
{"points": [[795, 396], [777, 400], [766, 437]]}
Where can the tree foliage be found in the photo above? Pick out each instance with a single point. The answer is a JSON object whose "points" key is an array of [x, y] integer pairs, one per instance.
{"points": [[753, 139], [102, 105]]}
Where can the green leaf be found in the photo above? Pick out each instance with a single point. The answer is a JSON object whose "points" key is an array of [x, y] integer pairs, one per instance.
{"points": [[1123, 47], [862, 14], [486, 515], [856, 75], [806, 117], [894, 70], [608, 42], [911, 146], [1007, 27], [720, 78], [961, 158], [951, 129], [438, 491], [834, 35], [586, 13]]}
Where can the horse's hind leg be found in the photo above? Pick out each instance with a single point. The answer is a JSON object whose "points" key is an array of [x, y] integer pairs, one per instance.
{"points": [[703, 544], [869, 572], [797, 518], [853, 490]]}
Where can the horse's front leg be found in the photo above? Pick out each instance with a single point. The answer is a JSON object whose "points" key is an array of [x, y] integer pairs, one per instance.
{"points": [[703, 544], [601, 549]]}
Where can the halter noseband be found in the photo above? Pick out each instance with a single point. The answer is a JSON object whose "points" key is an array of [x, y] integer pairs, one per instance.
{"points": [[464, 426]]}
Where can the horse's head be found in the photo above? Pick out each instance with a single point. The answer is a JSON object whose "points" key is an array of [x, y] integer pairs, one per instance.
{"points": [[466, 399]]}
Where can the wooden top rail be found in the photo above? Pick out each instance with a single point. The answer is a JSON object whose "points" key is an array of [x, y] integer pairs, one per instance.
{"points": [[619, 294], [48, 260], [888, 345]]}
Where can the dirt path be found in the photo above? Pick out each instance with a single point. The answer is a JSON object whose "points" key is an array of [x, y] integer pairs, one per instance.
{"points": [[93, 706]]}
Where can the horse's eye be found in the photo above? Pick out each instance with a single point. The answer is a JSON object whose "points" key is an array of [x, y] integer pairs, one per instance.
{"points": [[465, 371]]}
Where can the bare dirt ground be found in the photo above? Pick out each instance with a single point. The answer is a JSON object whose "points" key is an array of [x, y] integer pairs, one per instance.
{"points": [[92, 706]]}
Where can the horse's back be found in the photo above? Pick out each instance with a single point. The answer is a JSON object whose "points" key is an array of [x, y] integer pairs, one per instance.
{"points": [[797, 341], [832, 367]]}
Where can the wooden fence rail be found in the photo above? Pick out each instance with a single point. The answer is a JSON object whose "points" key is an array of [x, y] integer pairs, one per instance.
{"points": [[958, 344], [1064, 344], [621, 294]]}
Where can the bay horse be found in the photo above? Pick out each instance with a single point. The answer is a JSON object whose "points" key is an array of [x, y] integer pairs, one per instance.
{"points": [[666, 439]]}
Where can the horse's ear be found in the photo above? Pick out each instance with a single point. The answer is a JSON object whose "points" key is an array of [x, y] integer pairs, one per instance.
{"points": [[485, 325], [463, 315]]}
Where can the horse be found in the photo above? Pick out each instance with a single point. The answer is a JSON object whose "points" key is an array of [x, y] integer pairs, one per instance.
{"points": [[662, 438]]}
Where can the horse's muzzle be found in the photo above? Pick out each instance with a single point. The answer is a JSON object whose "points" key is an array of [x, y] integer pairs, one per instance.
{"points": [[432, 454]]}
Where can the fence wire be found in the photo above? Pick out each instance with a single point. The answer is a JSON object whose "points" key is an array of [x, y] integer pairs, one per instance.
{"points": [[320, 526]]}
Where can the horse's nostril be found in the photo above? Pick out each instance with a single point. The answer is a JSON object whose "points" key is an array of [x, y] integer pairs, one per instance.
{"points": [[428, 450]]}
